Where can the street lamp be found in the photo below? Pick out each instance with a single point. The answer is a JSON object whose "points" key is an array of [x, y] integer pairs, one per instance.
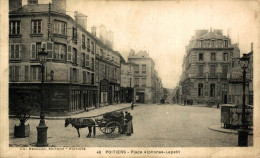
{"points": [[243, 131], [42, 128]]}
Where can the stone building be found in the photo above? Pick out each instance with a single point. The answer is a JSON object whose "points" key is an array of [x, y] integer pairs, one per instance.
{"points": [[70, 80], [235, 89], [127, 81], [205, 66], [107, 69], [147, 84]]}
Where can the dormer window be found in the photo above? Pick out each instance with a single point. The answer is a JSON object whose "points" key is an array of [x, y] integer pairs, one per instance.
{"points": [[213, 43], [225, 43]]}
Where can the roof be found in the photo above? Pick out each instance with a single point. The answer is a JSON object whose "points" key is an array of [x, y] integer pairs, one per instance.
{"points": [[211, 35], [32, 8]]}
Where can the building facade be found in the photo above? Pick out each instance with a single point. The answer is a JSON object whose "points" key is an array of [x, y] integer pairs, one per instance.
{"points": [[147, 84], [206, 64], [127, 81], [235, 89], [73, 71], [107, 74]]}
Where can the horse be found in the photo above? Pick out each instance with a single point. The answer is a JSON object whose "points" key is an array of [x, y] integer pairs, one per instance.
{"points": [[82, 123]]}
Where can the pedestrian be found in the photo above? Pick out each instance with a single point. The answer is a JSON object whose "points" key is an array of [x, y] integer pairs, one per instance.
{"points": [[124, 123], [218, 106], [129, 124], [132, 104]]}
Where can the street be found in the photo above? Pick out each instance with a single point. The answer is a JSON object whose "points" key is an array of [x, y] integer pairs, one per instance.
{"points": [[154, 126]]}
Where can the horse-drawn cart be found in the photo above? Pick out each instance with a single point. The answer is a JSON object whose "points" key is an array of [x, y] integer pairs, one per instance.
{"points": [[111, 124]]}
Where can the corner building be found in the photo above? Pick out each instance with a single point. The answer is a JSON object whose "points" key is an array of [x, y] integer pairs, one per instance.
{"points": [[205, 66], [70, 65]]}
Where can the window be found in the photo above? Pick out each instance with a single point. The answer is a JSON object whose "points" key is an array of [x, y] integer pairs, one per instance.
{"points": [[36, 74], [212, 90], [92, 78], [213, 43], [59, 51], [26, 73], [14, 73], [213, 57], [143, 81], [200, 89], [224, 87], [83, 41], [144, 69], [200, 56], [136, 81], [75, 55], [69, 48], [200, 71], [87, 60], [225, 56], [136, 69], [212, 70], [88, 44], [14, 51], [231, 54], [36, 26], [92, 63], [73, 75], [226, 43], [224, 70], [83, 59], [88, 78], [84, 76], [92, 47], [200, 43], [15, 27], [74, 34], [60, 27]]}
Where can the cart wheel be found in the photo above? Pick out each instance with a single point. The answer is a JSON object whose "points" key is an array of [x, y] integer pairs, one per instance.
{"points": [[113, 129]]}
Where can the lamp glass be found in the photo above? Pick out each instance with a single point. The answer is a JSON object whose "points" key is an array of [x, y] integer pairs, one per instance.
{"points": [[244, 61], [42, 55]]}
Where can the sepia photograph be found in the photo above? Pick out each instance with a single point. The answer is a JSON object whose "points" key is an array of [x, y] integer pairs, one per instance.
{"points": [[130, 78]]}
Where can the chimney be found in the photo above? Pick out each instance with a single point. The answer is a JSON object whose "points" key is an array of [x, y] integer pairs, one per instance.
{"points": [[14, 5], [252, 46], [94, 30], [32, 2], [81, 19], [110, 38], [59, 6]]}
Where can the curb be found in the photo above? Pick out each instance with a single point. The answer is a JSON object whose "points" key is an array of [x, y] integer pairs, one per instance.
{"points": [[219, 129], [63, 117]]}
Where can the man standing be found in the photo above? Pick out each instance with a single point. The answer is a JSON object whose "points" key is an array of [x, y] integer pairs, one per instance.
{"points": [[132, 104]]}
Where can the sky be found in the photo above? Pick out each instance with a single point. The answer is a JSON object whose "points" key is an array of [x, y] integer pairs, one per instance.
{"points": [[163, 28]]}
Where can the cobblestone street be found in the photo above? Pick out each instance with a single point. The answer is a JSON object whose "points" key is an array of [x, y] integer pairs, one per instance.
{"points": [[154, 126]]}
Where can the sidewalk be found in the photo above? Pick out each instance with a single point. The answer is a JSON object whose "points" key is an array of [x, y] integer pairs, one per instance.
{"points": [[92, 113], [218, 128]]}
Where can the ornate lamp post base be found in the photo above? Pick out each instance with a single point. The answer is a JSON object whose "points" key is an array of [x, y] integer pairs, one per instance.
{"points": [[242, 137], [42, 133], [42, 136]]}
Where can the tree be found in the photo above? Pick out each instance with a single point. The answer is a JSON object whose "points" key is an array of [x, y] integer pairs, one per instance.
{"points": [[22, 107]]}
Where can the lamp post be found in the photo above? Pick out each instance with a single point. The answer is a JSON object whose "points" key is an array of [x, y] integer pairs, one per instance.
{"points": [[42, 128], [243, 131]]}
